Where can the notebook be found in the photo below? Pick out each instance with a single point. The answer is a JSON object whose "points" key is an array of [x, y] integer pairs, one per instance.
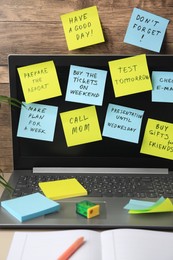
{"points": [[97, 245], [92, 130]]}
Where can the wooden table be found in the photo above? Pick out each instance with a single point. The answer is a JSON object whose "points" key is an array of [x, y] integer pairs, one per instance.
{"points": [[34, 27]]}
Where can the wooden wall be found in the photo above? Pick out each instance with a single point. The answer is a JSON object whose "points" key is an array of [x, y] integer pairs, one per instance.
{"points": [[34, 27]]}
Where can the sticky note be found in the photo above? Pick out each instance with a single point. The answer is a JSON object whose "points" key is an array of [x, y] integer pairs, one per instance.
{"points": [[86, 85], [162, 82], [142, 206], [30, 206], [81, 126], [130, 75], [123, 123], [146, 30], [82, 28], [158, 139], [37, 121], [62, 189], [39, 81]]}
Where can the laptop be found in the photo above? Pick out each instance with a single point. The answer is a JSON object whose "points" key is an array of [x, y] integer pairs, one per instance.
{"points": [[101, 162]]}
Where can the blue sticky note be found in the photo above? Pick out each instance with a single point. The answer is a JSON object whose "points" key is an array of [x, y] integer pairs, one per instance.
{"points": [[142, 204], [30, 206], [123, 123], [86, 85], [146, 30], [37, 121], [138, 204], [162, 82]]}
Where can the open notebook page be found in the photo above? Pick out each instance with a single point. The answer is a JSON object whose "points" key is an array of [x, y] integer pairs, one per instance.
{"points": [[50, 245], [131, 244]]}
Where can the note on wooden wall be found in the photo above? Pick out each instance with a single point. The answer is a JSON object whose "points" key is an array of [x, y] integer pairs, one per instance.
{"points": [[146, 30], [82, 28]]}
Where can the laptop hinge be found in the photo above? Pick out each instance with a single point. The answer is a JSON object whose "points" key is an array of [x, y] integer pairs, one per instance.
{"points": [[98, 170]]}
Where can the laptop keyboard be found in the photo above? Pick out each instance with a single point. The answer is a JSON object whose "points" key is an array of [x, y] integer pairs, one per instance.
{"points": [[106, 186]]}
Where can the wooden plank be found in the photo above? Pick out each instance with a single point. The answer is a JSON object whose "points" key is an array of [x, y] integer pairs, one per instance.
{"points": [[39, 11], [44, 10], [5, 153], [7, 165], [38, 38], [5, 127], [4, 88], [25, 30], [6, 144], [4, 78], [6, 160], [5, 121], [31, 38]]}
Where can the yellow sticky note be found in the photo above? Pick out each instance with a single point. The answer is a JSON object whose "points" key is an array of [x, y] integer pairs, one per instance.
{"points": [[81, 126], [39, 81], [82, 28], [165, 206], [158, 139], [62, 189], [130, 75]]}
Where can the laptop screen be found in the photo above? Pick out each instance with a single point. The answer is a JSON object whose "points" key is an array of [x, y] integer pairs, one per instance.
{"points": [[108, 151]]}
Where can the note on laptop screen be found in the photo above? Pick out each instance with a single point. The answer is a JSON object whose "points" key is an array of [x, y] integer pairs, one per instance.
{"points": [[85, 132]]}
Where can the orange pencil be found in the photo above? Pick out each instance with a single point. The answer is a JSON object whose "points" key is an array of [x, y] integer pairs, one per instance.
{"points": [[72, 249]]}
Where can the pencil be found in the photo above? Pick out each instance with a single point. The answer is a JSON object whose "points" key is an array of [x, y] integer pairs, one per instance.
{"points": [[72, 249]]}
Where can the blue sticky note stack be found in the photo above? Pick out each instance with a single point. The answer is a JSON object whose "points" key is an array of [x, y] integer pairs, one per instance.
{"points": [[30, 206]]}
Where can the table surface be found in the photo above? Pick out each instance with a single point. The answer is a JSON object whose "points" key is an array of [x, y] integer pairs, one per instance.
{"points": [[5, 235]]}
